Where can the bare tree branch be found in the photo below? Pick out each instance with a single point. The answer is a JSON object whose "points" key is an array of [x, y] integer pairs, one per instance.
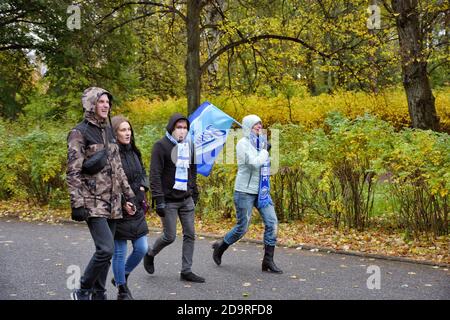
{"points": [[151, 3], [126, 22], [256, 39], [16, 46]]}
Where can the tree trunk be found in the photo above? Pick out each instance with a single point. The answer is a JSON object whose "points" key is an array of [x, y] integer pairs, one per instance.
{"points": [[310, 74], [421, 106], [212, 35], [193, 75]]}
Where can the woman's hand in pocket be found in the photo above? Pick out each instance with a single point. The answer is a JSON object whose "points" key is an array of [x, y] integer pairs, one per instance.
{"points": [[130, 208]]}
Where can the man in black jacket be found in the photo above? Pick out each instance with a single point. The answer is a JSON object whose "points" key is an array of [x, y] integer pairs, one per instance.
{"points": [[173, 183]]}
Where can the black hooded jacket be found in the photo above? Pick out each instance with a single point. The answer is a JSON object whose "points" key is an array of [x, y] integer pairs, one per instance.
{"points": [[132, 227], [162, 169]]}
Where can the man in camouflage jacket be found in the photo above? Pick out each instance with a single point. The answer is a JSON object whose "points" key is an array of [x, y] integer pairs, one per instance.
{"points": [[96, 197]]}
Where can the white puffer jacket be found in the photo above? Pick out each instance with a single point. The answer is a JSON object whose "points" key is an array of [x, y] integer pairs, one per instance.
{"points": [[249, 159]]}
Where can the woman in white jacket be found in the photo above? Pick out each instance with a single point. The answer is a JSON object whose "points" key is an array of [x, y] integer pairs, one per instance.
{"points": [[251, 189]]}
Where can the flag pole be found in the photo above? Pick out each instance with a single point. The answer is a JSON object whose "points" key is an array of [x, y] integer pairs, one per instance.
{"points": [[237, 123]]}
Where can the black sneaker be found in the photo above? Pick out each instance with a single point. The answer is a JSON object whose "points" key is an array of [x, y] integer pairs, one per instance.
{"points": [[81, 294], [192, 277], [99, 295], [149, 264]]}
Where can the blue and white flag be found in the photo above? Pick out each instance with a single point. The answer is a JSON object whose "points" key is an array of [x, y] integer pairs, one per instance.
{"points": [[209, 127]]}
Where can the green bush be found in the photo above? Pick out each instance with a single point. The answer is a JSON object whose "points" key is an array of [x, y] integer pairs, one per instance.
{"points": [[216, 192], [418, 167], [348, 171], [145, 138], [33, 165]]}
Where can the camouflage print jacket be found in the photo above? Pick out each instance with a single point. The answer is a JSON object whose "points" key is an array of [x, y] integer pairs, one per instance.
{"points": [[100, 193]]}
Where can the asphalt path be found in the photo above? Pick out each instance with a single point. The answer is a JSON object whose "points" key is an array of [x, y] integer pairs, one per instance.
{"points": [[40, 261]]}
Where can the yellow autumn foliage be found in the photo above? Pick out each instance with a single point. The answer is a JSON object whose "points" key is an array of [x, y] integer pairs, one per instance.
{"points": [[309, 111]]}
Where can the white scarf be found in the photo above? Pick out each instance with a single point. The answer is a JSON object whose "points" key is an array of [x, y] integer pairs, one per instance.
{"points": [[183, 157]]}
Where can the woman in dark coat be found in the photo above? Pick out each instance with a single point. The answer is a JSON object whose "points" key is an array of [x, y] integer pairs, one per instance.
{"points": [[133, 226]]}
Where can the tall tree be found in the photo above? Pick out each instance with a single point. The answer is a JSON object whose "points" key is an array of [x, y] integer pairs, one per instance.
{"points": [[193, 72], [412, 40], [15, 82], [304, 41]]}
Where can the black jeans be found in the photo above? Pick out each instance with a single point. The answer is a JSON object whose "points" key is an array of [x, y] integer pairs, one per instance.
{"points": [[185, 211], [102, 232]]}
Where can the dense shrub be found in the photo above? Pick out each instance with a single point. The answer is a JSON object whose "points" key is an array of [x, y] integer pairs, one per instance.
{"points": [[418, 166], [33, 166], [348, 166], [337, 170], [308, 111]]}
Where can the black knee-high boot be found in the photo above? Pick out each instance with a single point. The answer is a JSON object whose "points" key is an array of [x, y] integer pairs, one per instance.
{"points": [[219, 248], [124, 293], [268, 264]]}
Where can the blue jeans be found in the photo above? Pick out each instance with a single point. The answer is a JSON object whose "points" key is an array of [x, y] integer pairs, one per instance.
{"points": [[119, 266], [244, 203]]}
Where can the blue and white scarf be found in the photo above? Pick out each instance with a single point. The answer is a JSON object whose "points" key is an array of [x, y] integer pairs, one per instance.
{"points": [[182, 164], [264, 199]]}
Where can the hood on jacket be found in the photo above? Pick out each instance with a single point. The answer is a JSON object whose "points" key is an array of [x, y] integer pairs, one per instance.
{"points": [[89, 101], [173, 119], [248, 122]]}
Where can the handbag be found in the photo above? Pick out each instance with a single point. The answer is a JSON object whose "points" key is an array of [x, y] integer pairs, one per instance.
{"points": [[95, 163], [98, 160]]}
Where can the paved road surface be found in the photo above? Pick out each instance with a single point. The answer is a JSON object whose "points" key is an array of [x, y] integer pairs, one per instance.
{"points": [[34, 259]]}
